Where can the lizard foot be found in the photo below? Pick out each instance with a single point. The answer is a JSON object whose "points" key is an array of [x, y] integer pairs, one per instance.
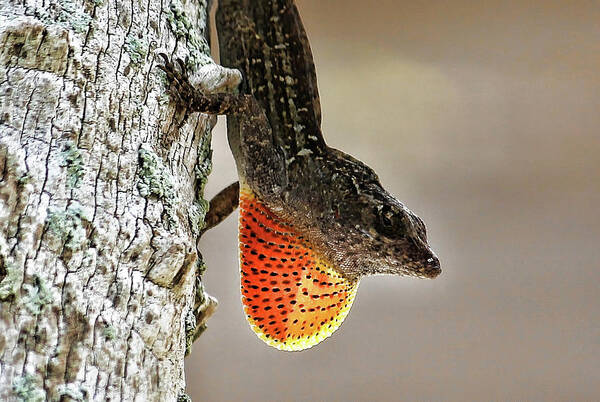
{"points": [[178, 82]]}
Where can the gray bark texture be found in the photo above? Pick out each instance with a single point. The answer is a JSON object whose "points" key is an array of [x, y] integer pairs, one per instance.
{"points": [[101, 198]]}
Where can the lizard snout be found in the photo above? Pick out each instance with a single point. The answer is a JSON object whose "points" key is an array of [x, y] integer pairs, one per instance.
{"points": [[432, 267]]}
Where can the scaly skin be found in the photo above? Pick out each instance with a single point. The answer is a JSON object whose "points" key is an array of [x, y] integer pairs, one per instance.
{"points": [[333, 205], [335, 199]]}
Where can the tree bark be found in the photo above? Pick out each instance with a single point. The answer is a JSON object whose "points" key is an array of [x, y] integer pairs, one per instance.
{"points": [[101, 185]]}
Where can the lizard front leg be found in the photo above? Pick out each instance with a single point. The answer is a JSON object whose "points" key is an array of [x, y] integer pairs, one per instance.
{"points": [[194, 99], [260, 162]]}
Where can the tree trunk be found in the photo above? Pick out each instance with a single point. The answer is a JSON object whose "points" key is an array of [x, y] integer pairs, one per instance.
{"points": [[101, 184]]}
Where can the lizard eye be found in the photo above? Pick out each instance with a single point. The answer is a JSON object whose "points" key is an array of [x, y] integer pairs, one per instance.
{"points": [[387, 222]]}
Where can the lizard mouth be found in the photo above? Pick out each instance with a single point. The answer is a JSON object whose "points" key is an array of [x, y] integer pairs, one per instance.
{"points": [[425, 269], [431, 268]]}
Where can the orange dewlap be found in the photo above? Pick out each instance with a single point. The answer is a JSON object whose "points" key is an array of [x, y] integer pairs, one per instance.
{"points": [[293, 299]]}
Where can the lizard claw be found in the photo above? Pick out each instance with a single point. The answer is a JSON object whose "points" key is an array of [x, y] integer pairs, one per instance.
{"points": [[178, 80], [165, 64], [181, 65]]}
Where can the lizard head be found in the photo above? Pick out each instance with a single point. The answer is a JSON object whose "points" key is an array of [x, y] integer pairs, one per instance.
{"points": [[370, 231], [397, 238], [386, 238]]}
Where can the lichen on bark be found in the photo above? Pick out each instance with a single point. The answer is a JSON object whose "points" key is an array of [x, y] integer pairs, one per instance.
{"points": [[101, 199]]}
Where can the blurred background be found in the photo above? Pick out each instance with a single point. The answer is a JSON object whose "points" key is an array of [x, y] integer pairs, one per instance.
{"points": [[484, 119]]}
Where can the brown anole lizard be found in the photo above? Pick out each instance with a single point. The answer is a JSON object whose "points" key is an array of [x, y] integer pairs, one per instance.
{"points": [[313, 220]]}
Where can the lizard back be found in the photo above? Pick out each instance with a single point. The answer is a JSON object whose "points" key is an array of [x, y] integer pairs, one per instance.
{"points": [[266, 41]]}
